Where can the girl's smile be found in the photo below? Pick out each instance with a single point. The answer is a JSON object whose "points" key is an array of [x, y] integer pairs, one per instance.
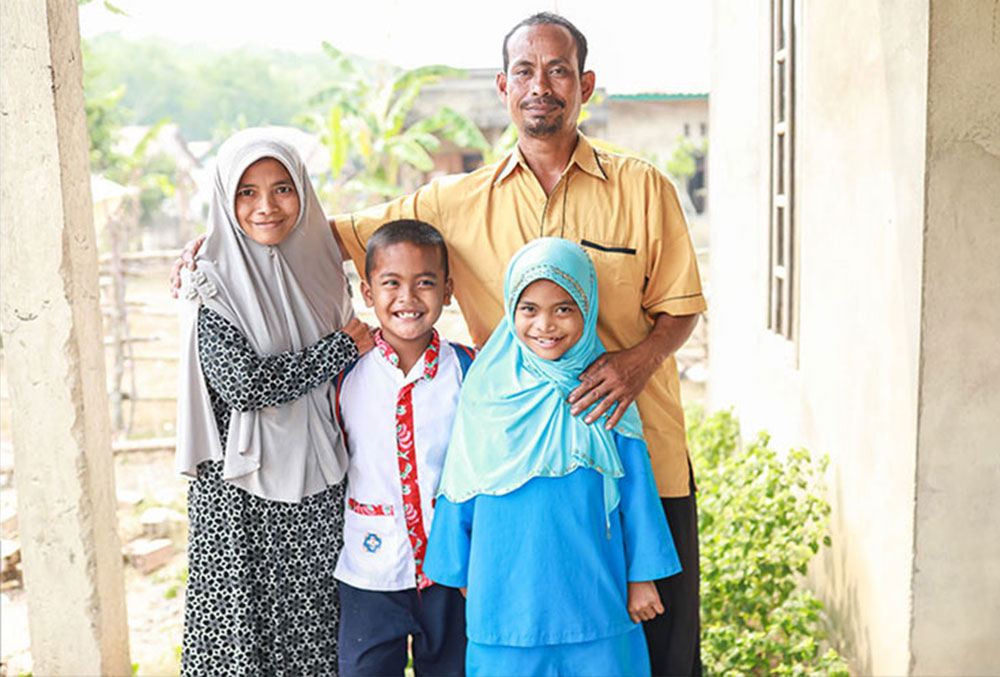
{"points": [[547, 319]]}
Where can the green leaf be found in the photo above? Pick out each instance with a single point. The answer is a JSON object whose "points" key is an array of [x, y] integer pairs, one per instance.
{"points": [[114, 9], [411, 152]]}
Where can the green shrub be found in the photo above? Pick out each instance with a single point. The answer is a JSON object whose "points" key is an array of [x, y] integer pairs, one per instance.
{"points": [[762, 517]]}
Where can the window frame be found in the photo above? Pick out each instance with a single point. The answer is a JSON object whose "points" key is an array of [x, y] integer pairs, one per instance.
{"points": [[782, 270]]}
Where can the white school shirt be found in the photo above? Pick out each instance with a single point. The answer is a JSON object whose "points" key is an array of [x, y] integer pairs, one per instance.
{"points": [[377, 553]]}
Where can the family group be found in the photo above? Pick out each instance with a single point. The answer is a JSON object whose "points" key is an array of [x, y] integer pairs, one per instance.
{"points": [[362, 497]]}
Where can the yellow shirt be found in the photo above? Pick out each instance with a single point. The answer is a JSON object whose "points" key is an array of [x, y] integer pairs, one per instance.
{"points": [[621, 209]]}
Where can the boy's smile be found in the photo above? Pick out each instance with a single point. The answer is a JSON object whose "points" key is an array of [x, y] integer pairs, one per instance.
{"points": [[547, 319], [407, 290]]}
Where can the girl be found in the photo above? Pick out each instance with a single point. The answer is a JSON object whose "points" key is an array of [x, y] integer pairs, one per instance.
{"points": [[554, 526], [268, 324]]}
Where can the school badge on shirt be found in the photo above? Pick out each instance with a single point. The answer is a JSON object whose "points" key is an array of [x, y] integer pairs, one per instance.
{"points": [[372, 542]]}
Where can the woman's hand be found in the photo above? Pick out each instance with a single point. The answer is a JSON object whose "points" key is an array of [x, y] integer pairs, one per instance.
{"points": [[361, 334], [643, 601]]}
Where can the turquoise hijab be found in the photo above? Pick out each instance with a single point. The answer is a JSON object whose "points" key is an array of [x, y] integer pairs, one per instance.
{"points": [[513, 421]]}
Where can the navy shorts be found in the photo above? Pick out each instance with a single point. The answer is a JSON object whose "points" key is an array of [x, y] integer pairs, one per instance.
{"points": [[375, 627]]}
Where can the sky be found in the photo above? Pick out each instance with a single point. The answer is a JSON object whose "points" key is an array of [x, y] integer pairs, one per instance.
{"points": [[635, 46]]}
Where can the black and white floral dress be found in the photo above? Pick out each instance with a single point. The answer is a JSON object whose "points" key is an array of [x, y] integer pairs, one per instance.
{"points": [[261, 597]]}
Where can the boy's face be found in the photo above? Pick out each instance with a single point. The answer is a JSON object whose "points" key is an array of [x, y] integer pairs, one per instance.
{"points": [[547, 319], [407, 289]]}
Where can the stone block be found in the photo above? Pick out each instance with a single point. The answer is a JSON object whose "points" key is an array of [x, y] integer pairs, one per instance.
{"points": [[10, 553], [147, 554], [8, 528], [159, 522]]}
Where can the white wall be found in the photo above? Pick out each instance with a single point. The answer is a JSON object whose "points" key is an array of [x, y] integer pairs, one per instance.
{"points": [[956, 587], [850, 389]]}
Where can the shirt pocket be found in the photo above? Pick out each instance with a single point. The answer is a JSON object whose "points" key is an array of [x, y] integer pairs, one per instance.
{"points": [[618, 265], [372, 540]]}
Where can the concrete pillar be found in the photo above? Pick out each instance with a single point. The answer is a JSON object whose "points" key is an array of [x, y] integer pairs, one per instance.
{"points": [[956, 587], [55, 358]]}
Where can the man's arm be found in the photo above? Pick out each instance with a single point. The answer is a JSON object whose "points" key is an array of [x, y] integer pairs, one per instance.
{"points": [[340, 242], [185, 259], [191, 250], [619, 377]]}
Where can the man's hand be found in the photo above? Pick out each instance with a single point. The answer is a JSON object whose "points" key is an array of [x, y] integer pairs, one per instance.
{"points": [[361, 334], [615, 379], [643, 601], [186, 259]]}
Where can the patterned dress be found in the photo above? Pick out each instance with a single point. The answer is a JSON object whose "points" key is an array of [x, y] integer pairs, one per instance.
{"points": [[261, 597]]}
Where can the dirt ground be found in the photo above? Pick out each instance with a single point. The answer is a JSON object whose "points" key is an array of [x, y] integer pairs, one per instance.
{"points": [[146, 480]]}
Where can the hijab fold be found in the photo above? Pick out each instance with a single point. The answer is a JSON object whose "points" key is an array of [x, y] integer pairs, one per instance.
{"points": [[282, 297], [513, 421]]}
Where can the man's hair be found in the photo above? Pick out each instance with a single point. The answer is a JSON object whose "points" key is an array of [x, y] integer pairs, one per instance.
{"points": [[412, 231], [543, 18]]}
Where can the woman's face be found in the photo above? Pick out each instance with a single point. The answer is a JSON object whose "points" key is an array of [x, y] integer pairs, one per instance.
{"points": [[267, 205], [547, 319]]}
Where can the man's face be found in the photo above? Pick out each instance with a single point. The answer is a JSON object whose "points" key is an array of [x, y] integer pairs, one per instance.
{"points": [[542, 88]]}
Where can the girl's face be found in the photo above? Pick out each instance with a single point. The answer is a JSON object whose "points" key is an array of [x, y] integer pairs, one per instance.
{"points": [[547, 319], [267, 205]]}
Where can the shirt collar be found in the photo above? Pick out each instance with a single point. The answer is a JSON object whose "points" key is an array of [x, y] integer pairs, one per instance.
{"points": [[584, 156], [429, 358]]}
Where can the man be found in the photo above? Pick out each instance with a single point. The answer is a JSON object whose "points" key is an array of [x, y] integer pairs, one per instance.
{"points": [[627, 215]]}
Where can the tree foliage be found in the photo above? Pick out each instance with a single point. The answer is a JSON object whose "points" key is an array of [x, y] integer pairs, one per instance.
{"points": [[682, 163], [152, 173], [207, 92], [368, 129], [762, 518]]}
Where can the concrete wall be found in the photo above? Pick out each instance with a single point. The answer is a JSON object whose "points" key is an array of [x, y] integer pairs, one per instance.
{"points": [[653, 126], [956, 588], [848, 388], [54, 350]]}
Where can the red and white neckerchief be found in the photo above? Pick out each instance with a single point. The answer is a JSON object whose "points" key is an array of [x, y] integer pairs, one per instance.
{"points": [[406, 453]]}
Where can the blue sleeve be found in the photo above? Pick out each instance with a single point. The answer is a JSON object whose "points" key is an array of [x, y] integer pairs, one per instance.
{"points": [[649, 547], [447, 559]]}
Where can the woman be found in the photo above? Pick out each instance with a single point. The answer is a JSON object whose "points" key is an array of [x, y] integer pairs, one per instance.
{"points": [[267, 324]]}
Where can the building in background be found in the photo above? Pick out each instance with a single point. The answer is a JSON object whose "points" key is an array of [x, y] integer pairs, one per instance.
{"points": [[653, 125], [855, 247]]}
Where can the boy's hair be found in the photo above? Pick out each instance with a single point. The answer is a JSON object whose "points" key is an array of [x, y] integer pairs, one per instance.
{"points": [[550, 18], [412, 231]]}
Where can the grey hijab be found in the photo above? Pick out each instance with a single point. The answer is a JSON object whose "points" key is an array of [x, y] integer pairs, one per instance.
{"points": [[282, 298]]}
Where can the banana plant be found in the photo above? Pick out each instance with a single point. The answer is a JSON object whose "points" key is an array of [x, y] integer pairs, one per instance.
{"points": [[365, 129]]}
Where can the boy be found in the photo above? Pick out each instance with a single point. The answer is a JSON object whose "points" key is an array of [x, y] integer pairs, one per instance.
{"points": [[396, 406]]}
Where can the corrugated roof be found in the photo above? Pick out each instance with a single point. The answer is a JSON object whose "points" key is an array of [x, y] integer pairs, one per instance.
{"points": [[656, 96]]}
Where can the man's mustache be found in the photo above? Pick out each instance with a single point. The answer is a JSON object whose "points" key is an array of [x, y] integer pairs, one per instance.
{"points": [[544, 100]]}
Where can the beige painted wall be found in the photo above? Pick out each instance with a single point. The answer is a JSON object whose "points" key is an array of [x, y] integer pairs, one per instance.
{"points": [[956, 587], [849, 390], [654, 126]]}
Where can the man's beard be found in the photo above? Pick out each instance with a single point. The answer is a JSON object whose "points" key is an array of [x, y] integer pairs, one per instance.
{"points": [[543, 127]]}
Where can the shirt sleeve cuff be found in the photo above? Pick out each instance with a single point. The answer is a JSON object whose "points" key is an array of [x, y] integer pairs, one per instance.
{"points": [[687, 304]]}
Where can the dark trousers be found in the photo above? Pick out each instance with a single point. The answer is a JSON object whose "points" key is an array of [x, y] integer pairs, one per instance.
{"points": [[375, 627], [674, 636]]}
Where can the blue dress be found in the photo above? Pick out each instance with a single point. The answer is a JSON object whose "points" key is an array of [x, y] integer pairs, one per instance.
{"points": [[547, 572]]}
